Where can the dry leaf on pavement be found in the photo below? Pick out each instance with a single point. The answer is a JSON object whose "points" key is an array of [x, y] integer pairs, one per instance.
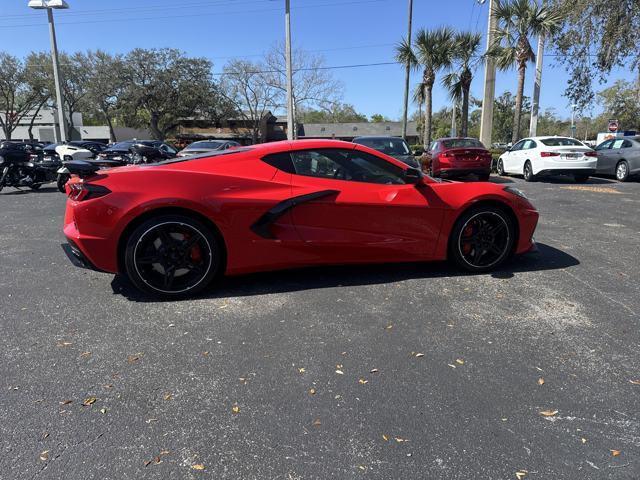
{"points": [[317, 422], [312, 391], [89, 401], [635, 382], [66, 402], [301, 370], [44, 456], [339, 372], [385, 438], [134, 358], [541, 381], [362, 381], [418, 355], [520, 474], [373, 370], [615, 453], [235, 409], [197, 466], [459, 361], [548, 413]]}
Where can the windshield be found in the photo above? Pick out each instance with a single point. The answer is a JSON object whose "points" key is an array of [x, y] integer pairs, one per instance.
{"points": [[209, 145], [390, 146], [462, 143], [561, 142]]}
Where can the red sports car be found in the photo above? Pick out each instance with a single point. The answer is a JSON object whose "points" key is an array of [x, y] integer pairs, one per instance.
{"points": [[175, 226], [458, 157]]}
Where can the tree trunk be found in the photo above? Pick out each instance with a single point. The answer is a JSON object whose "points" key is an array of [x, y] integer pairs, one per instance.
{"points": [[112, 133], [428, 92], [33, 118], [517, 114], [464, 121], [154, 127]]}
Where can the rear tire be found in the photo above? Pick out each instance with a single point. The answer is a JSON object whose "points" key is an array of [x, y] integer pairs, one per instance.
{"points": [[500, 168], [484, 177], [528, 172], [173, 256], [61, 181], [482, 239], [581, 178], [622, 171]]}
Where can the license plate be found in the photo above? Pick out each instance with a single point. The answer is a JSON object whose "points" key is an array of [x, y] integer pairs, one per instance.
{"points": [[572, 155]]}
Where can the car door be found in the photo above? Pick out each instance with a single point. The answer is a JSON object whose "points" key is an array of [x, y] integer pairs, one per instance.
{"points": [[511, 159], [360, 209], [606, 161]]}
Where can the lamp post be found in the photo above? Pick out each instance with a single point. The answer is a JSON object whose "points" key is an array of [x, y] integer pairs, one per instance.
{"points": [[49, 5], [407, 76], [488, 97], [290, 122]]}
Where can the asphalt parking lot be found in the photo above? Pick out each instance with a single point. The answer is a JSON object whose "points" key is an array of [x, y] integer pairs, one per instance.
{"points": [[389, 372]]}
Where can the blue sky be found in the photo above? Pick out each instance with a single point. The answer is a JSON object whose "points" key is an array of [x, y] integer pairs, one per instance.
{"points": [[344, 31]]}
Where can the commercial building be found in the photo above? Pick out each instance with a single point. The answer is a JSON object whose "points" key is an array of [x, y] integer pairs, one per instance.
{"points": [[44, 127]]}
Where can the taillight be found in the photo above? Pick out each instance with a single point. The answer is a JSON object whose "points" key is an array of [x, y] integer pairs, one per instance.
{"points": [[84, 191], [590, 154], [549, 154]]}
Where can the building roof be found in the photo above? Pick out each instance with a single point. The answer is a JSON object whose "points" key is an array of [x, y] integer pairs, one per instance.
{"points": [[357, 129]]}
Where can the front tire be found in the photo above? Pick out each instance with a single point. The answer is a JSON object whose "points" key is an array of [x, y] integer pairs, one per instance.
{"points": [[528, 172], [622, 171], [500, 168], [61, 181], [172, 256], [482, 239]]}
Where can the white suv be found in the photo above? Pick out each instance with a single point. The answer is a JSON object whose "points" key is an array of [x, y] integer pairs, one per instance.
{"points": [[538, 156]]}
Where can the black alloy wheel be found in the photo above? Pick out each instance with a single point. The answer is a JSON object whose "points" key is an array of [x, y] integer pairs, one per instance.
{"points": [[172, 255], [482, 239], [528, 172]]}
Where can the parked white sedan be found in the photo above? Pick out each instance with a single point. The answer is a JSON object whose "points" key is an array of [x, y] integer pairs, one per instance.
{"points": [[539, 156]]}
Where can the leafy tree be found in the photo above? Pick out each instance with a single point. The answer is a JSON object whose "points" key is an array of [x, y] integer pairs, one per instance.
{"points": [[106, 86], [39, 77], [313, 86], [431, 51], [244, 86], [517, 21], [620, 101], [379, 118], [611, 30], [74, 73], [465, 49], [334, 113], [17, 98], [503, 116], [164, 86]]}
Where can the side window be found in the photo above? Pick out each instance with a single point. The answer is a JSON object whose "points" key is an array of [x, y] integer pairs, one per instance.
{"points": [[605, 145], [434, 146], [350, 165], [281, 161], [617, 144], [626, 144], [517, 146]]}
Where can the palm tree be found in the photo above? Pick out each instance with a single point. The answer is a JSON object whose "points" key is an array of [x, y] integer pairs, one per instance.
{"points": [[465, 51], [516, 21], [431, 51]]}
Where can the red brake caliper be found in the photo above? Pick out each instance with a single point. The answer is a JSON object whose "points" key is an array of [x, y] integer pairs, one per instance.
{"points": [[466, 246]]}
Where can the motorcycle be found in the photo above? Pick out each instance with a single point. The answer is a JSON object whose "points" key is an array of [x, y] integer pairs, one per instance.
{"points": [[21, 169]]}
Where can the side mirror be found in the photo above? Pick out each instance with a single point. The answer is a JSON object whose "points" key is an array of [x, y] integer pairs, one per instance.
{"points": [[412, 176], [418, 151]]}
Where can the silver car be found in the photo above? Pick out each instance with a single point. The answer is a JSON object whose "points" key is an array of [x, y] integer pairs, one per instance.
{"points": [[619, 157], [206, 146]]}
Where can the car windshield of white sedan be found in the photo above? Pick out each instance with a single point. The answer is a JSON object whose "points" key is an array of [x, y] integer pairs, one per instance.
{"points": [[561, 142]]}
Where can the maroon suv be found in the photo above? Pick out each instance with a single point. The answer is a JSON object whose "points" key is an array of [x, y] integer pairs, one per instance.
{"points": [[457, 157]]}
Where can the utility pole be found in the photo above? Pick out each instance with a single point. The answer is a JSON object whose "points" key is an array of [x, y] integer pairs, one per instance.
{"points": [[454, 128], [486, 120], [290, 123], [537, 82], [407, 77]]}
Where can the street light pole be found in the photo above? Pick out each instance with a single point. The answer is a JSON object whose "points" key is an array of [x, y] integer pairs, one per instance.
{"points": [[407, 76], [535, 103], [290, 122], [486, 119], [56, 77], [49, 5]]}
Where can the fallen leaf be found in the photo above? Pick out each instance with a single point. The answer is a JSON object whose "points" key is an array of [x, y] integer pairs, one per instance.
{"points": [[66, 402], [459, 361], [168, 396], [103, 410], [339, 366], [44, 456], [548, 413], [147, 463], [583, 440], [541, 381], [362, 467], [312, 391], [615, 453], [635, 382], [401, 440], [418, 355], [388, 327], [235, 409], [151, 420], [45, 435], [165, 452], [205, 354], [373, 370], [301, 370], [316, 422], [107, 386], [362, 381], [89, 401], [197, 466], [134, 358], [451, 365], [64, 344], [385, 438], [339, 372], [521, 474], [157, 460]]}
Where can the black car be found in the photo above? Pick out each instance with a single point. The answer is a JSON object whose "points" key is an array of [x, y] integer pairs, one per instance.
{"points": [[395, 147], [138, 151]]}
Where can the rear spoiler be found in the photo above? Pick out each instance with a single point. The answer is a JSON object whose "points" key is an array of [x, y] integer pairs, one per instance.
{"points": [[88, 168]]}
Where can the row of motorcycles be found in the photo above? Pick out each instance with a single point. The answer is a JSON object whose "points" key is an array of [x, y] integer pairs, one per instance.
{"points": [[28, 165]]}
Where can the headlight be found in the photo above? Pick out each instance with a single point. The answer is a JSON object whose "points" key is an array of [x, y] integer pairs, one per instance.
{"points": [[516, 192]]}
